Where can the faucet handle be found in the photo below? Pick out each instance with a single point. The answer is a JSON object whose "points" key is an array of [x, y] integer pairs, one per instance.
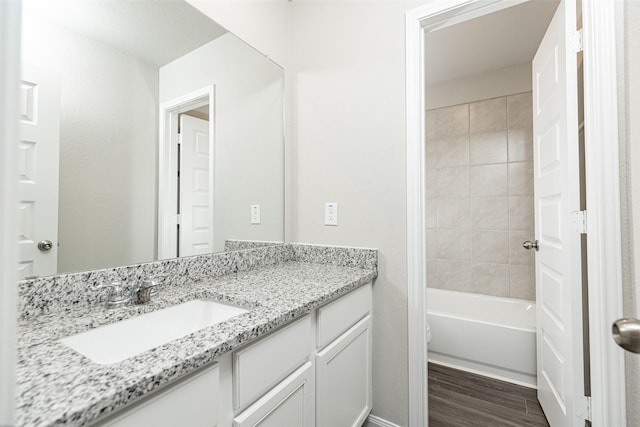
{"points": [[115, 296], [114, 287], [152, 282]]}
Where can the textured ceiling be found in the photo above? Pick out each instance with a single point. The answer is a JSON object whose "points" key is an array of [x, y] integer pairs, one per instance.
{"points": [[497, 40], [157, 31]]}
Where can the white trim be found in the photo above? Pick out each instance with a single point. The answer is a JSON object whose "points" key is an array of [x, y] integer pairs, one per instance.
{"points": [[372, 420], [9, 84], [416, 236], [168, 160], [603, 207], [605, 285]]}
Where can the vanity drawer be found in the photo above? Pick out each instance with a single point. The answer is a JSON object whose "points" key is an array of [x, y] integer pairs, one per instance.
{"points": [[338, 316], [260, 366], [192, 401]]}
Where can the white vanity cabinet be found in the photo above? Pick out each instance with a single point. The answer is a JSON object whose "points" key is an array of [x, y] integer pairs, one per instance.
{"points": [[275, 376], [192, 401], [290, 403], [343, 363], [314, 371]]}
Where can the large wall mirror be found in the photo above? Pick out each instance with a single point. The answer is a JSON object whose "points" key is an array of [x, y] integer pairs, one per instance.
{"points": [[147, 131]]}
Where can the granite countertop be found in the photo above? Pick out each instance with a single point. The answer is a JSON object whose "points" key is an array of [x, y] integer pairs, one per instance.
{"points": [[57, 386]]}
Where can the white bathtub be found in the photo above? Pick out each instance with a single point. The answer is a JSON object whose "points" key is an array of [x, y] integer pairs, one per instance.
{"points": [[491, 336]]}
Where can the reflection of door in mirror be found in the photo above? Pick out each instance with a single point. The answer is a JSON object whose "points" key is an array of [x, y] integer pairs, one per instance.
{"points": [[38, 172], [195, 228], [185, 175]]}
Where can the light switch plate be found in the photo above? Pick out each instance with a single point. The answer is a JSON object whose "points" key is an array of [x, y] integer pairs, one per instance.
{"points": [[331, 213]]}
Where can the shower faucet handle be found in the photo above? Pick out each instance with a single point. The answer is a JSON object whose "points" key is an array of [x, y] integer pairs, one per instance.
{"points": [[528, 244]]}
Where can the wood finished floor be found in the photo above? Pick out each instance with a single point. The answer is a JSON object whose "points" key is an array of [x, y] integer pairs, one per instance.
{"points": [[462, 399]]}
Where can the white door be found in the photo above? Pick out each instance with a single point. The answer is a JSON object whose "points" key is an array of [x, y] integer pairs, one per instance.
{"points": [[196, 201], [39, 150], [557, 195]]}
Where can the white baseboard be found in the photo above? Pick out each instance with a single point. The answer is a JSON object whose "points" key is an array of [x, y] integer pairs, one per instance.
{"points": [[373, 421]]}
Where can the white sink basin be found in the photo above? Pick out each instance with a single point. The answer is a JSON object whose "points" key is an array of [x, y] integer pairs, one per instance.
{"points": [[119, 341]]}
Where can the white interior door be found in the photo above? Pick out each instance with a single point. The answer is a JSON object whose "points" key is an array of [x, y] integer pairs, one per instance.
{"points": [[557, 195], [39, 150], [196, 213]]}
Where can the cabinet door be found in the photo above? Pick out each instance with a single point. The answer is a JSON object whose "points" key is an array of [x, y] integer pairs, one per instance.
{"points": [[344, 378], [290, 403], [191, 402]]}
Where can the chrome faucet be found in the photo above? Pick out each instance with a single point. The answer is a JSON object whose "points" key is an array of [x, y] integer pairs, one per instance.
{"points": [[119, 295]]}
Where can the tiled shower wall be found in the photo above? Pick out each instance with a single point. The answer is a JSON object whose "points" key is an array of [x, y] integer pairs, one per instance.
{"points": [[480, 197]]}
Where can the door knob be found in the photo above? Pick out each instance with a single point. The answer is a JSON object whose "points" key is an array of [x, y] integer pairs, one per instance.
{"points": [[626, 333], [45, 245], [528, 244]]}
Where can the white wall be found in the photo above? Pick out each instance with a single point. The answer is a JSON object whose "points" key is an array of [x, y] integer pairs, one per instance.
{"points": [[348, 72], [108, 136], [264, 24], [248, 155], [491, 84]]}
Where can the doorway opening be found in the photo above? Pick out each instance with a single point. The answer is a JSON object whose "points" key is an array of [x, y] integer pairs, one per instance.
{"points": [[601, 175], [186, 171], [480, 205]]}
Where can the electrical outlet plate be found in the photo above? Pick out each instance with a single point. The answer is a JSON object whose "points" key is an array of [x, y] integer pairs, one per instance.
{"points": [[330, 213], [255, 214]]}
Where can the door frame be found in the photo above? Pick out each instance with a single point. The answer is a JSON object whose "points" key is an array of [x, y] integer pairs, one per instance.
{"points": [[10, 19], [168, 164], [608, 406]]}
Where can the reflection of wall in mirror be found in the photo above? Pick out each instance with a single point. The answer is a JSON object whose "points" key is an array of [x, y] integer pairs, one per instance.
{"points": [[248, 154], [108, 135]]}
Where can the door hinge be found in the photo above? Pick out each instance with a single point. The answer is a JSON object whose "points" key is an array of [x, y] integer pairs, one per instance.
{"points": [[579, 221], [583, 407], [178, 219], [179, 139], [575, 41]]}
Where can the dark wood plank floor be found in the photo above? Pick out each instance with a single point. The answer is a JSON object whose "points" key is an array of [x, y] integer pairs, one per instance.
{"points": [[462, 399]]}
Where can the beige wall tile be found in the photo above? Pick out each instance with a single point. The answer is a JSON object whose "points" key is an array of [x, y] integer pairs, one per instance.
{"points": [[454, 275], [432, 243], [521, 213], [454, 244], [520, 110], [453, 182], [521, 179], [451, 152], [490, 279], [488, 180], [454, 213], [490, 213], [431, 124], [490, 246], [523, 282], [432, 213], [451, 121], [430, 154], [488, 147], [520, 145], [489, 115], [432, 273], [518, 254], [431, 184], [480, 197]]}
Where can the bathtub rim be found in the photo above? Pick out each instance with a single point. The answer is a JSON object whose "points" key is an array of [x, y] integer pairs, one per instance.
{"points": [[474, 296]]}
